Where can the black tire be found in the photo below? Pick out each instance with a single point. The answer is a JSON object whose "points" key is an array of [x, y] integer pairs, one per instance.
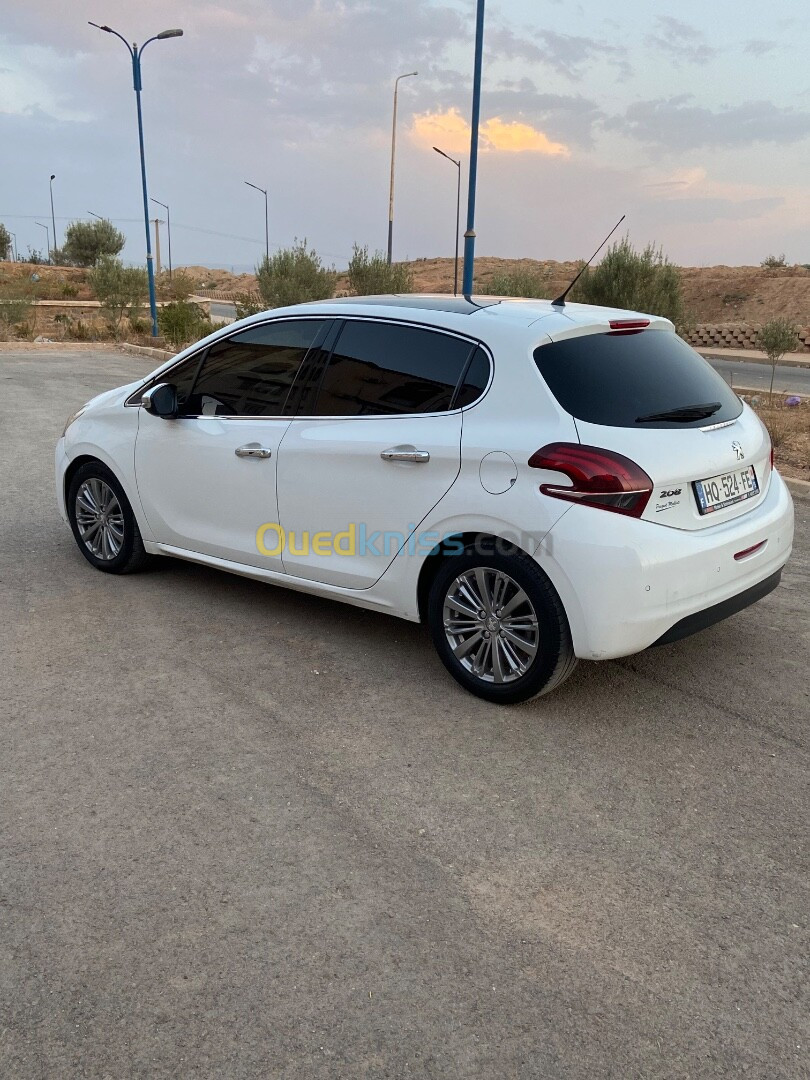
{"points": [[554, 659], [131, 557]]}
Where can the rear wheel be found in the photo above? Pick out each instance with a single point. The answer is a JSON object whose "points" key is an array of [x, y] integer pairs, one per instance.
{"points": [[102, 521], [499, 626]]}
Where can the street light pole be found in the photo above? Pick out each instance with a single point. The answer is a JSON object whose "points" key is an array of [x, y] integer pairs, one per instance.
{"points": [[47, 237], [53, 219], [135, 54], [168, 230], [266, 219], [458, 214], [407, 75], [469, 235], [14, 250]]}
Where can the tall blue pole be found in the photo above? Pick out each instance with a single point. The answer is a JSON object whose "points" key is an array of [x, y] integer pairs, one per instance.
{"points": [[150, 269], [469, 235]]}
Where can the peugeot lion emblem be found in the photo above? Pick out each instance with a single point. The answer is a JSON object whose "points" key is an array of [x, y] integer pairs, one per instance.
{"points": [[738, 450]]}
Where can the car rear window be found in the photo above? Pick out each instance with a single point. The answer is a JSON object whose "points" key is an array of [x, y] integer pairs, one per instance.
{"points": [[616, 379]]}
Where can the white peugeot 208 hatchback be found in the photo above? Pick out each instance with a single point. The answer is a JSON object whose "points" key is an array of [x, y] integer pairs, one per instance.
{"points": [[537, 482]]}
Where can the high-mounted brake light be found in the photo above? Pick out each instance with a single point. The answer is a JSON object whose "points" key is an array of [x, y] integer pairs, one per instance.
{"points": [[599, 478], [628, 326]]}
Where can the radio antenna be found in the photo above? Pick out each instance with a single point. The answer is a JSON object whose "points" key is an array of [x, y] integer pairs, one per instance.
{"points": [[560, 301]]}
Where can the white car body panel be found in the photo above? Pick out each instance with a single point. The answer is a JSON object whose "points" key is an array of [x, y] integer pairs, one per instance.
{"points": [[624, 582]]}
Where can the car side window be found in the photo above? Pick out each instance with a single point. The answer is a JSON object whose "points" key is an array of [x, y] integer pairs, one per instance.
{"points": [[386, 369], [250, 373], [475, 380], [183, 378]]}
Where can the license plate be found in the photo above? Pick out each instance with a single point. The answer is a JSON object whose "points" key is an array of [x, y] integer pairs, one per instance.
{"points": [[724, 490]]}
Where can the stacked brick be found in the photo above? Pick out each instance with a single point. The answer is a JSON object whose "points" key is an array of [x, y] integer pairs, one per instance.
{"points": [[736, 336]]}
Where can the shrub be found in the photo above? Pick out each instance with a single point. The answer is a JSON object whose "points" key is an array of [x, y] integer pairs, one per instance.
{"points": [[68, 290], [773, 262], [5, 242], [88, 241], [777, 337], [370, 275], [520, 281], [179, 286], [637, 280], [247, 304], [182, 322], [118, 287], [293, 276]]}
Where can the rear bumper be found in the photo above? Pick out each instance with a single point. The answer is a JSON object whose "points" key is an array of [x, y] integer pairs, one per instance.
{"points": [[700, 620], [628, 584]]}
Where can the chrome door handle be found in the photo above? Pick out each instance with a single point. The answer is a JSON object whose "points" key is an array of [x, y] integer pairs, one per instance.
{"points": [[405, 453], [253, 451]]}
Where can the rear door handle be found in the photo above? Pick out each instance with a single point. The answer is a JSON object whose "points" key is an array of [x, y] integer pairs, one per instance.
{"points": [[253, 451], [405, 453]]}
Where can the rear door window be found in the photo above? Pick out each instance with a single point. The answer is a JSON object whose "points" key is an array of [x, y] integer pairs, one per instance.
{"points": [[387, 369], [634, 379]]}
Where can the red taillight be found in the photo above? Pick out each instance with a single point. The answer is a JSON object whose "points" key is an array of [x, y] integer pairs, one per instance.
{"points": [[628, 326], [599, 478]]}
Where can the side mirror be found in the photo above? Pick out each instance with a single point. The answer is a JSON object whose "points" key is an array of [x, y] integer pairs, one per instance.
{"points": [[161, 400]]}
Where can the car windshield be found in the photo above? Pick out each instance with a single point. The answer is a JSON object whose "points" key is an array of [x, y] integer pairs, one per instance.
{"points": [[648, 379]]}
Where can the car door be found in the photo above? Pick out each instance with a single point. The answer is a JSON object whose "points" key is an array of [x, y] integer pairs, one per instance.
{"points": [[381, 446], [207, 479]]}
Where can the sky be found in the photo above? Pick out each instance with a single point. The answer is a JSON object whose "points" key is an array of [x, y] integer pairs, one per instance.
{"points": [[693, 119]]}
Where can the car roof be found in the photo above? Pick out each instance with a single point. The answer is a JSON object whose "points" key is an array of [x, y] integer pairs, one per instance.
{"points": [[517, 310]]}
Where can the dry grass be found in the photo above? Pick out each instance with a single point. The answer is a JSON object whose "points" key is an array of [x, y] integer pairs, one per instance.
{"points": [[789, 427]]}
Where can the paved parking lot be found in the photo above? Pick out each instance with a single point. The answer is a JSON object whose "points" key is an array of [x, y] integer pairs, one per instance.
{"points": [[249, 833]]}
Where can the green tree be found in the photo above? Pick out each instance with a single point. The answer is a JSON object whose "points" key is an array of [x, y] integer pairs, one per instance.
{"points": [[294, 275], [773, 262], [5, 242], [182, 322], [370, 275], [637, 280], [777, 337], [87, 241], [520, 281], [118, 288]]}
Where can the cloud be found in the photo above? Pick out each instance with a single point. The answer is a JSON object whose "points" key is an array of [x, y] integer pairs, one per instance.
{"points": [[451, 132], [675, 124], [759, 46], [680, 41], [567, 54]]}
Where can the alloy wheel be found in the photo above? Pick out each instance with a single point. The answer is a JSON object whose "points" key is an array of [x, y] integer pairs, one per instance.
{"points": [[491, 625], [100, 519]]}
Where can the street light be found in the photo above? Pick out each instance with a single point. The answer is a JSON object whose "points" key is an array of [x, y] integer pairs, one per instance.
{"points": [[135, 54], [47, 237], [407, 75], [100, 218], [53, 219], [469, 235], [168, 229], [266, 219], [14, 248], [458, 214]]}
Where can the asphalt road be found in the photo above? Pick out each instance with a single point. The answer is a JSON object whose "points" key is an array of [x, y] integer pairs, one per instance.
{"points": [[740, 373], [249, 833]]}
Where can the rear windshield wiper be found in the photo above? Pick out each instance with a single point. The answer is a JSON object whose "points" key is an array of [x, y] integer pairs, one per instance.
{"points": [[684, 414]]}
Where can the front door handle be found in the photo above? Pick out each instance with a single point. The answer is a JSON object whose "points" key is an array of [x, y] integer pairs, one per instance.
{"points": [[253, 451], [405, 453]]}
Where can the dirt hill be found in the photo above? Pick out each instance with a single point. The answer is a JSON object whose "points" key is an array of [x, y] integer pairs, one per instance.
{"points": [[714, 294]]}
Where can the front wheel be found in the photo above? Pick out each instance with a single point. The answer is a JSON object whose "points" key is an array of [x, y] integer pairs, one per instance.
{"points": [[499, 627], [102, 521]]}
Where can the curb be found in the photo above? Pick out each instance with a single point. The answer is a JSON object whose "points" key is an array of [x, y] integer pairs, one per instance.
{"points": [[797, 488], [147, 352]]}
